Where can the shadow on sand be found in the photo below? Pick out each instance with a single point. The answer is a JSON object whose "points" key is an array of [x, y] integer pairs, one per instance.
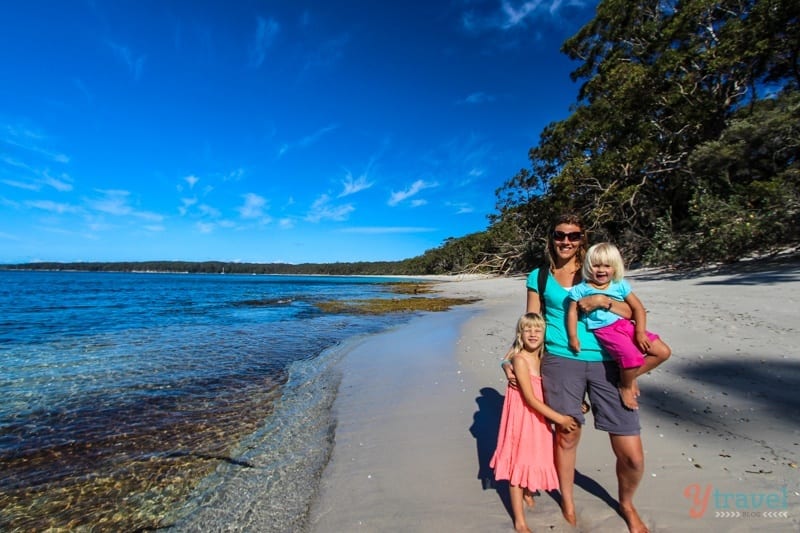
{"points": [[769, 387], [767, 270], [485, 425]]}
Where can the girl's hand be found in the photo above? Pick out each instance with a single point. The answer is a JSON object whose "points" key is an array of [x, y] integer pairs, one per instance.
{"points": [[642, 342], [567, 424]]}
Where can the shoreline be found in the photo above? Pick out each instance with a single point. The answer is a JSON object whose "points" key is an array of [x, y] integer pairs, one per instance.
{"points": [[418, 408]]}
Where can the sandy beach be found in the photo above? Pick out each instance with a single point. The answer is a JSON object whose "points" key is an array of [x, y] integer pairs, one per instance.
{"points": [[419, 406]]}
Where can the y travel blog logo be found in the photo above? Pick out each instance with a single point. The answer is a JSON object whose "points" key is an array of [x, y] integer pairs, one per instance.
{"points": [[736, 504]]}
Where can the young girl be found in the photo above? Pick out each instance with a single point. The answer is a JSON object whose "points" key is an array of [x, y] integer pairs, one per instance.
{"points": [[524, 454], [626, 340]]}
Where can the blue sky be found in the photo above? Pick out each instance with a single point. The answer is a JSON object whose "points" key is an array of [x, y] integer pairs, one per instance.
{"points": [[268, 131]]}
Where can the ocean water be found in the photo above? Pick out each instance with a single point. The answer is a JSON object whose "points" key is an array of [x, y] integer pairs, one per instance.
{"points": [[137, 401]]}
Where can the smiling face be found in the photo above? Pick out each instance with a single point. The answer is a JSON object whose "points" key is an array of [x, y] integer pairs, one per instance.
{"points": [[532, 337], [530, 333], [603, 265], [566, 241], [602, 273]]}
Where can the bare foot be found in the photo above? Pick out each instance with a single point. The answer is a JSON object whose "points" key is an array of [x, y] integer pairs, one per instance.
{"points": [[628, 396], [527, 497], [568, 510], [522, 528], [635, 523]]}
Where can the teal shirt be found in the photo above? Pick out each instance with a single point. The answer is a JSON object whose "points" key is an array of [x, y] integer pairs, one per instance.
{"points": [[556, 341]]}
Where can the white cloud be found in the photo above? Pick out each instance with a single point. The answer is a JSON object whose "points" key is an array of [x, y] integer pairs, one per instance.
{"points": [[253, 206], [61, 184], [115, 202], [379, 230], [266, 31], [27, 133], [22, 185], [10, 161], [286, 223], [41, 177], [234, 175], [477, 98], [204, 227], [148, 215], [54, 207], [352, 186], [512, 14], [209, 211], [191, 180], [323, 210], [28, 146], [461, 207], [186, 203], [399, 196], [134, 63], [308, 140], [96, 226]]}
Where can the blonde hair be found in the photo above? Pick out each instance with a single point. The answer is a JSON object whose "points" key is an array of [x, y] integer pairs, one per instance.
{"points": [[603, 253], [529, 320]]}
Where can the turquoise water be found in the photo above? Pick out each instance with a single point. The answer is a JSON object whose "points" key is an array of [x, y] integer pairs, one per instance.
{"points": [[131, 400]]}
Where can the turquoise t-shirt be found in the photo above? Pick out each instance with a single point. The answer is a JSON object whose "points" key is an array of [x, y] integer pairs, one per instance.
{"points": [[556, 302], [600, 318]]}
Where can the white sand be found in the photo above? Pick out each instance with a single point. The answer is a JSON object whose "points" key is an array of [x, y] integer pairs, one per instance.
{"points": [[419, 407]]}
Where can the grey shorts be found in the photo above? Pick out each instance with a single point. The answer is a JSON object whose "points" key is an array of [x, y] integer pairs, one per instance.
{"points": [[565, 381]]}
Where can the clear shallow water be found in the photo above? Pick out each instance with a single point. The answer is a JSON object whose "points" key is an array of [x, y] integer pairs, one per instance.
{"points": [[139, 401]]}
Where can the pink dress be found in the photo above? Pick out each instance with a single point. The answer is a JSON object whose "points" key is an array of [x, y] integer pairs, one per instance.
{"points": [[524, 453]]}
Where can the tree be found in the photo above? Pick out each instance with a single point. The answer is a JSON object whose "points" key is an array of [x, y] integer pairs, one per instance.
{"points": [[659, 79]]}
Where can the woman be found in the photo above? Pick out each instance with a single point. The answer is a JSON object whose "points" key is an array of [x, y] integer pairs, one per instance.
{"points": [[567, 376]]}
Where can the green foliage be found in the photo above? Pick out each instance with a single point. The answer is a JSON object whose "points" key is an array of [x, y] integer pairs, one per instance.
{"points": [[682, 144], [748, 194], [455, 255]]}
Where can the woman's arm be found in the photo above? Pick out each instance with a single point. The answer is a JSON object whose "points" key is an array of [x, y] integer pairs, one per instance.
{"points": [[587, 304], [508, 368], [572, 326], [566, 422]]}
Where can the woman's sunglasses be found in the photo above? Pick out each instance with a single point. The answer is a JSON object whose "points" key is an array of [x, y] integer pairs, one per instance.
{"points": [[572, 236]]}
